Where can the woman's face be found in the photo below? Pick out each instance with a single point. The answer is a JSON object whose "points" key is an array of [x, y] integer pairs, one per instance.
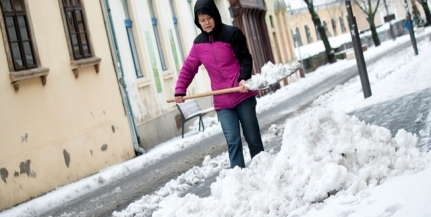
{"points": [[207, 22]]}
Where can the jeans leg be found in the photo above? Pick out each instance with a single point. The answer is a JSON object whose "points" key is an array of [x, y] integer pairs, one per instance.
{"points": [[250, 125], [230, 124]]}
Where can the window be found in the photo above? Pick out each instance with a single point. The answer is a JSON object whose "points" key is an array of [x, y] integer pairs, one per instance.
{"points": [[307, 34], [19, 40], [334, 26], [298, 37], [78, 36], [157, 35], [77, 29], [177, 31], [132, 43], [317, 33], [343, 28], [18, 37], [325, 26], [272, 22]]}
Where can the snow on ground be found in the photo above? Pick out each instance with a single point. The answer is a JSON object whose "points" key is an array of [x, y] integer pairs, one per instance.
{"points": [[370, 173], [323, 153], [326, 155]]}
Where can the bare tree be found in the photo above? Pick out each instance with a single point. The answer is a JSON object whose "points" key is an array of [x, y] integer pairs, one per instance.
{"points": [[370, 10], [316, 20], [426, 8]]}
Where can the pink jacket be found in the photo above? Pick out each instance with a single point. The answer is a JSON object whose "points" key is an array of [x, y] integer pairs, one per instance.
{"points": [[223, 69]]}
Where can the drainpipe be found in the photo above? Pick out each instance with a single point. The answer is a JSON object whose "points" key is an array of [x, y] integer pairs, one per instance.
{"points": [[120, 75]]}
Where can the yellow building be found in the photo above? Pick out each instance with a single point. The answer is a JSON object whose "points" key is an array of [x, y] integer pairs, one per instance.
{"points": [[333, 17], [279, 31], [61, 110], [280, 35]]}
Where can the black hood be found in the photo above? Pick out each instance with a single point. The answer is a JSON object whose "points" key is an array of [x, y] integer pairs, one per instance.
{"points": [[208, 7]]}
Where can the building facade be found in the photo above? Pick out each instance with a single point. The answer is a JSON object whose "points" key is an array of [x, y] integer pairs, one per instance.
{"points": [[61, 109], [333, 17], [280, 35]]}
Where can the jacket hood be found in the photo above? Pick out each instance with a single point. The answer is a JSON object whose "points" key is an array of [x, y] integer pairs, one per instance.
{"points": [[208, 7]]}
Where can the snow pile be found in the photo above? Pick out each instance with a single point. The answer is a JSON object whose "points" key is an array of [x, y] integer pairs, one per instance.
{"points": [[270, 75], [323, 153], [148, 203]]}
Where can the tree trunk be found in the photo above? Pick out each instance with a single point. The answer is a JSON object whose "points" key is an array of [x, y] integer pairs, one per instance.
{"points": [[416, 14], [316, 20], [373, 29], [424, 5], [374, 34]]}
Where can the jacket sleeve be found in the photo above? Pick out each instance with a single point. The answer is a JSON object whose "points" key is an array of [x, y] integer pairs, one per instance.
{"points": [[239, 46], [187, 72]]}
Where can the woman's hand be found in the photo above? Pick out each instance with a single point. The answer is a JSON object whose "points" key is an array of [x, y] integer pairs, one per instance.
{"points": [[179, 99], [242, 87]]}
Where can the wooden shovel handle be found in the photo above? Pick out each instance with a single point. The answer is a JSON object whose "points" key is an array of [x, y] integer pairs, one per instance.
{"points": [[210, 93]]}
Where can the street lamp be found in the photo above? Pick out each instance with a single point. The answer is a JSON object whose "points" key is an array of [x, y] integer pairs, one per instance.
{"points": [[356, 40], [412, 33]]}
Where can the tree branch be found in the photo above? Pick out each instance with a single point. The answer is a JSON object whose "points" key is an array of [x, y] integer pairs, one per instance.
{"points": [[377, 6], [360, 7]]}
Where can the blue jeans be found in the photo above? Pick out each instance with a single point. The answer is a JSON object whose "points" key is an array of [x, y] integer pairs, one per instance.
{"points": [[230, 119]]}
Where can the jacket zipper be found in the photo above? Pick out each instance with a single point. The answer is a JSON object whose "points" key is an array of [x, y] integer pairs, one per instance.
{"points": [[215, 59]]}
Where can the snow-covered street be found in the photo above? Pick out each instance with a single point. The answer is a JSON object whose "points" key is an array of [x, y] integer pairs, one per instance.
{"points": [[330, 163]]}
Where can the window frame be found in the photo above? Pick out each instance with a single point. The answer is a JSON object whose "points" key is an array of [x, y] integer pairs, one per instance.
{"points": [[177, 26], [334, 26], [18, 75], [316, 30], [128, 22], [86, 61], [298, 36], [308, 34], [157, 35], [342, 24], [73, 9], [325, 26]]}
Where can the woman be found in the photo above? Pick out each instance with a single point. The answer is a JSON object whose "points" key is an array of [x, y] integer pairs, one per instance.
{"points": [[222, 49]]}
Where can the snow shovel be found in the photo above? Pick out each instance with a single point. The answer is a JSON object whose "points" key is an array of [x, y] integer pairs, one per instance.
{"points": [[271, 74]]}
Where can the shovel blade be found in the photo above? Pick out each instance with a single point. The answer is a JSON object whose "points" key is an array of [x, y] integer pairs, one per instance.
{"points": [[270, 75]]}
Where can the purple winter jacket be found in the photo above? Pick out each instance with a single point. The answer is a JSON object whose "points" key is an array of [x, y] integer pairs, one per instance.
{"points": [[224, 54]]}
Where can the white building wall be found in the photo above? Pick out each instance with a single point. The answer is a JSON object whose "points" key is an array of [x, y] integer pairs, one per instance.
{"points": [[148, 95], [127, 66]]}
